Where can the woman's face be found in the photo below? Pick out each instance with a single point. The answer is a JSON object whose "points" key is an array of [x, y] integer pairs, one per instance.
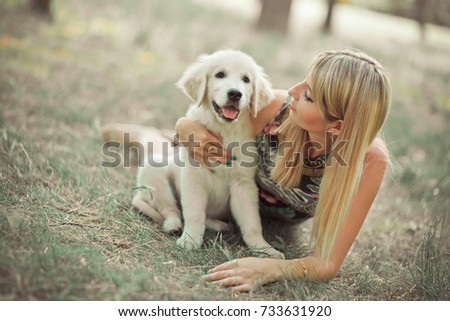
{"points": [[304, 111]]}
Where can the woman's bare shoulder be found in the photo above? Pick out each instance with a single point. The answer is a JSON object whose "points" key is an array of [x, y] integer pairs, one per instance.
{"points": [[377, 151], [266, 113]]}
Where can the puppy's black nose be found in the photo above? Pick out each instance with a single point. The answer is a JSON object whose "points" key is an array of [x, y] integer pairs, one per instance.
{"points": [[234, 95]]}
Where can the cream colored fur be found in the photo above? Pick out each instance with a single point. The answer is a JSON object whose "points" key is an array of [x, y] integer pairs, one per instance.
{"points": [[207, 198]]}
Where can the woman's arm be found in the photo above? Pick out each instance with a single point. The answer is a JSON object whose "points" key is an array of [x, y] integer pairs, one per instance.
{"points": [[375, 165], [246, 274], [190, 131]]}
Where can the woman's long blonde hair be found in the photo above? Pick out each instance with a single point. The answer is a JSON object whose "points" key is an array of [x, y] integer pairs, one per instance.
{"points": [[350, 86]]}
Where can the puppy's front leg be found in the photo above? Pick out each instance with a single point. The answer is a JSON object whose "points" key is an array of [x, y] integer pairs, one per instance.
{"points": [[193, 201], [244, 207]]}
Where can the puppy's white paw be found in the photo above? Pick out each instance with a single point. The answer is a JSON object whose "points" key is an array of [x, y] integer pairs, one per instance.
{"points": [[173, 226], [276, 254], [188, 243], [268, 252]]}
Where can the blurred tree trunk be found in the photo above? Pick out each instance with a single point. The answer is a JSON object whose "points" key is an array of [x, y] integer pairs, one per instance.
{"points": [[274, 15], [327, 24], [41, 7], [420, 12]]}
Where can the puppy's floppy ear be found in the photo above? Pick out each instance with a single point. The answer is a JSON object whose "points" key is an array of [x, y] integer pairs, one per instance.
{"points": [[262, 91], [193, 81]]}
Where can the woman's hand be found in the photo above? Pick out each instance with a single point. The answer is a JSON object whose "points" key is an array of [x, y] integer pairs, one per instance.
{"points": [[245, 275], [203, 146]]}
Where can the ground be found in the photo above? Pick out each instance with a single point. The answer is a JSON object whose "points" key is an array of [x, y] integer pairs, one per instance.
{"points": [[67, 229]]}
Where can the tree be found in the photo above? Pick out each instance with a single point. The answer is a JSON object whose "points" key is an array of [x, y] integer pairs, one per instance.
{"points": [[274, 15], [420, 12], [327, 24], [41, 6]]}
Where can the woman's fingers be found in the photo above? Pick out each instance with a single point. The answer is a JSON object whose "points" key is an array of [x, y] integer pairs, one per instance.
{"points": [[230, 281], [215, 276], [207, 151], [213, 150], [225, 266], [216, 140], [243, 288], [208, 145]]}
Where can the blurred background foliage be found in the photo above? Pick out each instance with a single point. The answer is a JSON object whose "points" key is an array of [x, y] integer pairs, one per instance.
{"points": [[275, 13], [431, 11]]}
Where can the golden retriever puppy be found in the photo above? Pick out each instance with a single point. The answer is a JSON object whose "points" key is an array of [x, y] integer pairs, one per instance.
{"points": [[227, 88]]}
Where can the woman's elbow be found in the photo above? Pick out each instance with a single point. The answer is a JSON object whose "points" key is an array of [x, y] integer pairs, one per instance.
{"points": [[329, 275], [326, 272]]}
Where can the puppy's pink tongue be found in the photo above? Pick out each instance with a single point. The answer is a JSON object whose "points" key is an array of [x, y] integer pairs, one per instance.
{"points": [[230, 112]]}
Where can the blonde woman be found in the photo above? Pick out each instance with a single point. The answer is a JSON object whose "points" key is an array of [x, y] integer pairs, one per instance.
{"points": [[331, 165]]}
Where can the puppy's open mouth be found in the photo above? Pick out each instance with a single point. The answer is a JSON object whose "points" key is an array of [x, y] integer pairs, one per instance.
{"points": [[227, 112]]}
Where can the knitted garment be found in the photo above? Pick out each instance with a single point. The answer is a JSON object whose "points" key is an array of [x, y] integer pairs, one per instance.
{"points": [[290, 203]]}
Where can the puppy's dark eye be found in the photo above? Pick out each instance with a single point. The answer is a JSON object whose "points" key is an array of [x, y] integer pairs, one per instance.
{"points": [[220, 74], [246, 79]]}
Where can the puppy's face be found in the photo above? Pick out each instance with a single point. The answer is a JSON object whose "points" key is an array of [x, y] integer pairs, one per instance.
{"points": [[230, 81]]}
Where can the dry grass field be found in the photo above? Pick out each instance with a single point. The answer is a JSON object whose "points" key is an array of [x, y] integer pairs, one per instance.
{"points": [[67, 229]]}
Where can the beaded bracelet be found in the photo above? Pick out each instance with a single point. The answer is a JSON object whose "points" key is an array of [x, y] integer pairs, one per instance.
{"points": [[305, 270]]}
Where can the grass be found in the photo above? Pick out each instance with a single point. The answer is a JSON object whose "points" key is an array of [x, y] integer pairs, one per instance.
{"points": [[67, 230], [428, 271]]}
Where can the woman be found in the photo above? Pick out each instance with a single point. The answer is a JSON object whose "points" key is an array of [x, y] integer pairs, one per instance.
{"points": [[329, 129]]}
